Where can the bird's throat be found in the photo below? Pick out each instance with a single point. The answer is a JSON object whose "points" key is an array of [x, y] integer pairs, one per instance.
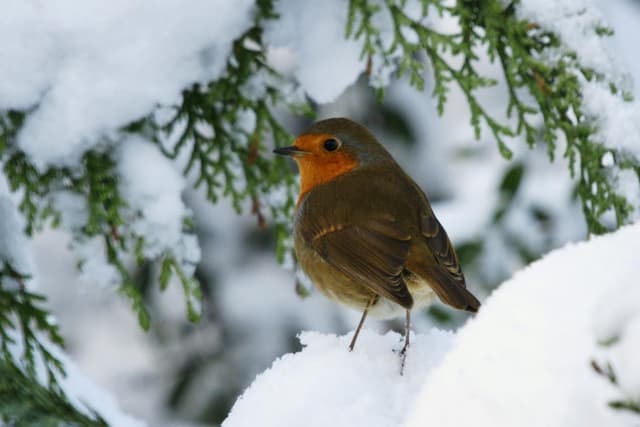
{"points": [[317, 171]]}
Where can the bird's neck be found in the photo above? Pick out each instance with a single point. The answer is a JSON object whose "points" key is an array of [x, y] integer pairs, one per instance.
{"points": [[313, 174]]}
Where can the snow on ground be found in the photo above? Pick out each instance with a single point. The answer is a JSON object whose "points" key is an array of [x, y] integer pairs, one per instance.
{"points": [[326, 385], [524, 360]]}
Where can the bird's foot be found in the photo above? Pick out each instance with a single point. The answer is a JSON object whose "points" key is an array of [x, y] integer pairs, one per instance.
{"points": [[403, 359], [402, 352], [405, 347]]}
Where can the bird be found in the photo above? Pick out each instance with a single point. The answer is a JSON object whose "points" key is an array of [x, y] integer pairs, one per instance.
{"points": [[365, 233]]}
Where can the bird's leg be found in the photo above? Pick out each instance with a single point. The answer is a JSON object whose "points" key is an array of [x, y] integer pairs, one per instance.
{"points": [[403, 352], [364, 316]]}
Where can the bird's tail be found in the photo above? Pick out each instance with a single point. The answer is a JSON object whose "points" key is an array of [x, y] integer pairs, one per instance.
{"points": [[456, 296], [451, 292]]}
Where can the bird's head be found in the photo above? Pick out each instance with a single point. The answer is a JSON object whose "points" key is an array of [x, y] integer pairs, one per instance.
{"points": [[331, 148]]}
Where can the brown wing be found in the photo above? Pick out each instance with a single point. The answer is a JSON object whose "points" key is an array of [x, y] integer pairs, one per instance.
{"points": [[441, 247], [448, 281], [373, 254]]}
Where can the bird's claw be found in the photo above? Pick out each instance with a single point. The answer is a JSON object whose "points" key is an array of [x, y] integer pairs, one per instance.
{"points": [[403, 358]]}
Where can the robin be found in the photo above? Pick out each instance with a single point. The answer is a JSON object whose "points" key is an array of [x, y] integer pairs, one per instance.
{"points": [[365, 233]]}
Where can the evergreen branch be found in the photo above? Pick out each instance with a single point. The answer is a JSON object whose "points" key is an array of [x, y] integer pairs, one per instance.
{"points": [[21, 315], [226, 155], [26, 397], [97, 184], [225, 126], [518, 46], [190, 286], [25, 402]]}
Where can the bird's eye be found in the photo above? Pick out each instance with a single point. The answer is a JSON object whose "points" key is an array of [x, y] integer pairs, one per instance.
{"points": [[331, 144]]}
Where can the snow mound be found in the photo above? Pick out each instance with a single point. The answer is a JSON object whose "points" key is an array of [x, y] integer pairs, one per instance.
{"points": [[326, 385], [524, 360]]}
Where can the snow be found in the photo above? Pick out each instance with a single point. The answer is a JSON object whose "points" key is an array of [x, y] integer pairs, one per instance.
{"points": [[529, 349], [103, 338], [326, 385], [308, 42], [82, 71], [325, 62], [92, 262], [152, 186], [617, 121], [620, 127], [624, 358], [576, 23], [15, 251], [80, 391], [523, 360], [617, 326], [623, 16], [14, 248], [88, 68]]}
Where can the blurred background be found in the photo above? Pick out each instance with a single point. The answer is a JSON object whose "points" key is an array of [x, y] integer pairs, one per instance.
{"points": [[501, 215]]}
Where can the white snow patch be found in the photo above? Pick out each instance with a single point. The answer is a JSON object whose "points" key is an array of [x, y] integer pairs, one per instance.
{"points": [[94, 267], [90, 67], [623, 357], [576, 22], [153, 187], [619, 129], [80, 391], [325, 62], [13, 242], [326, 385], [74, 207], [15, 251], [620, 126], [616, 320], [525, 359]]}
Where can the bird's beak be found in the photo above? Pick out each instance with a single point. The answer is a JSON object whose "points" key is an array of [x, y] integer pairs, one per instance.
{"points": [[292, 151]]}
